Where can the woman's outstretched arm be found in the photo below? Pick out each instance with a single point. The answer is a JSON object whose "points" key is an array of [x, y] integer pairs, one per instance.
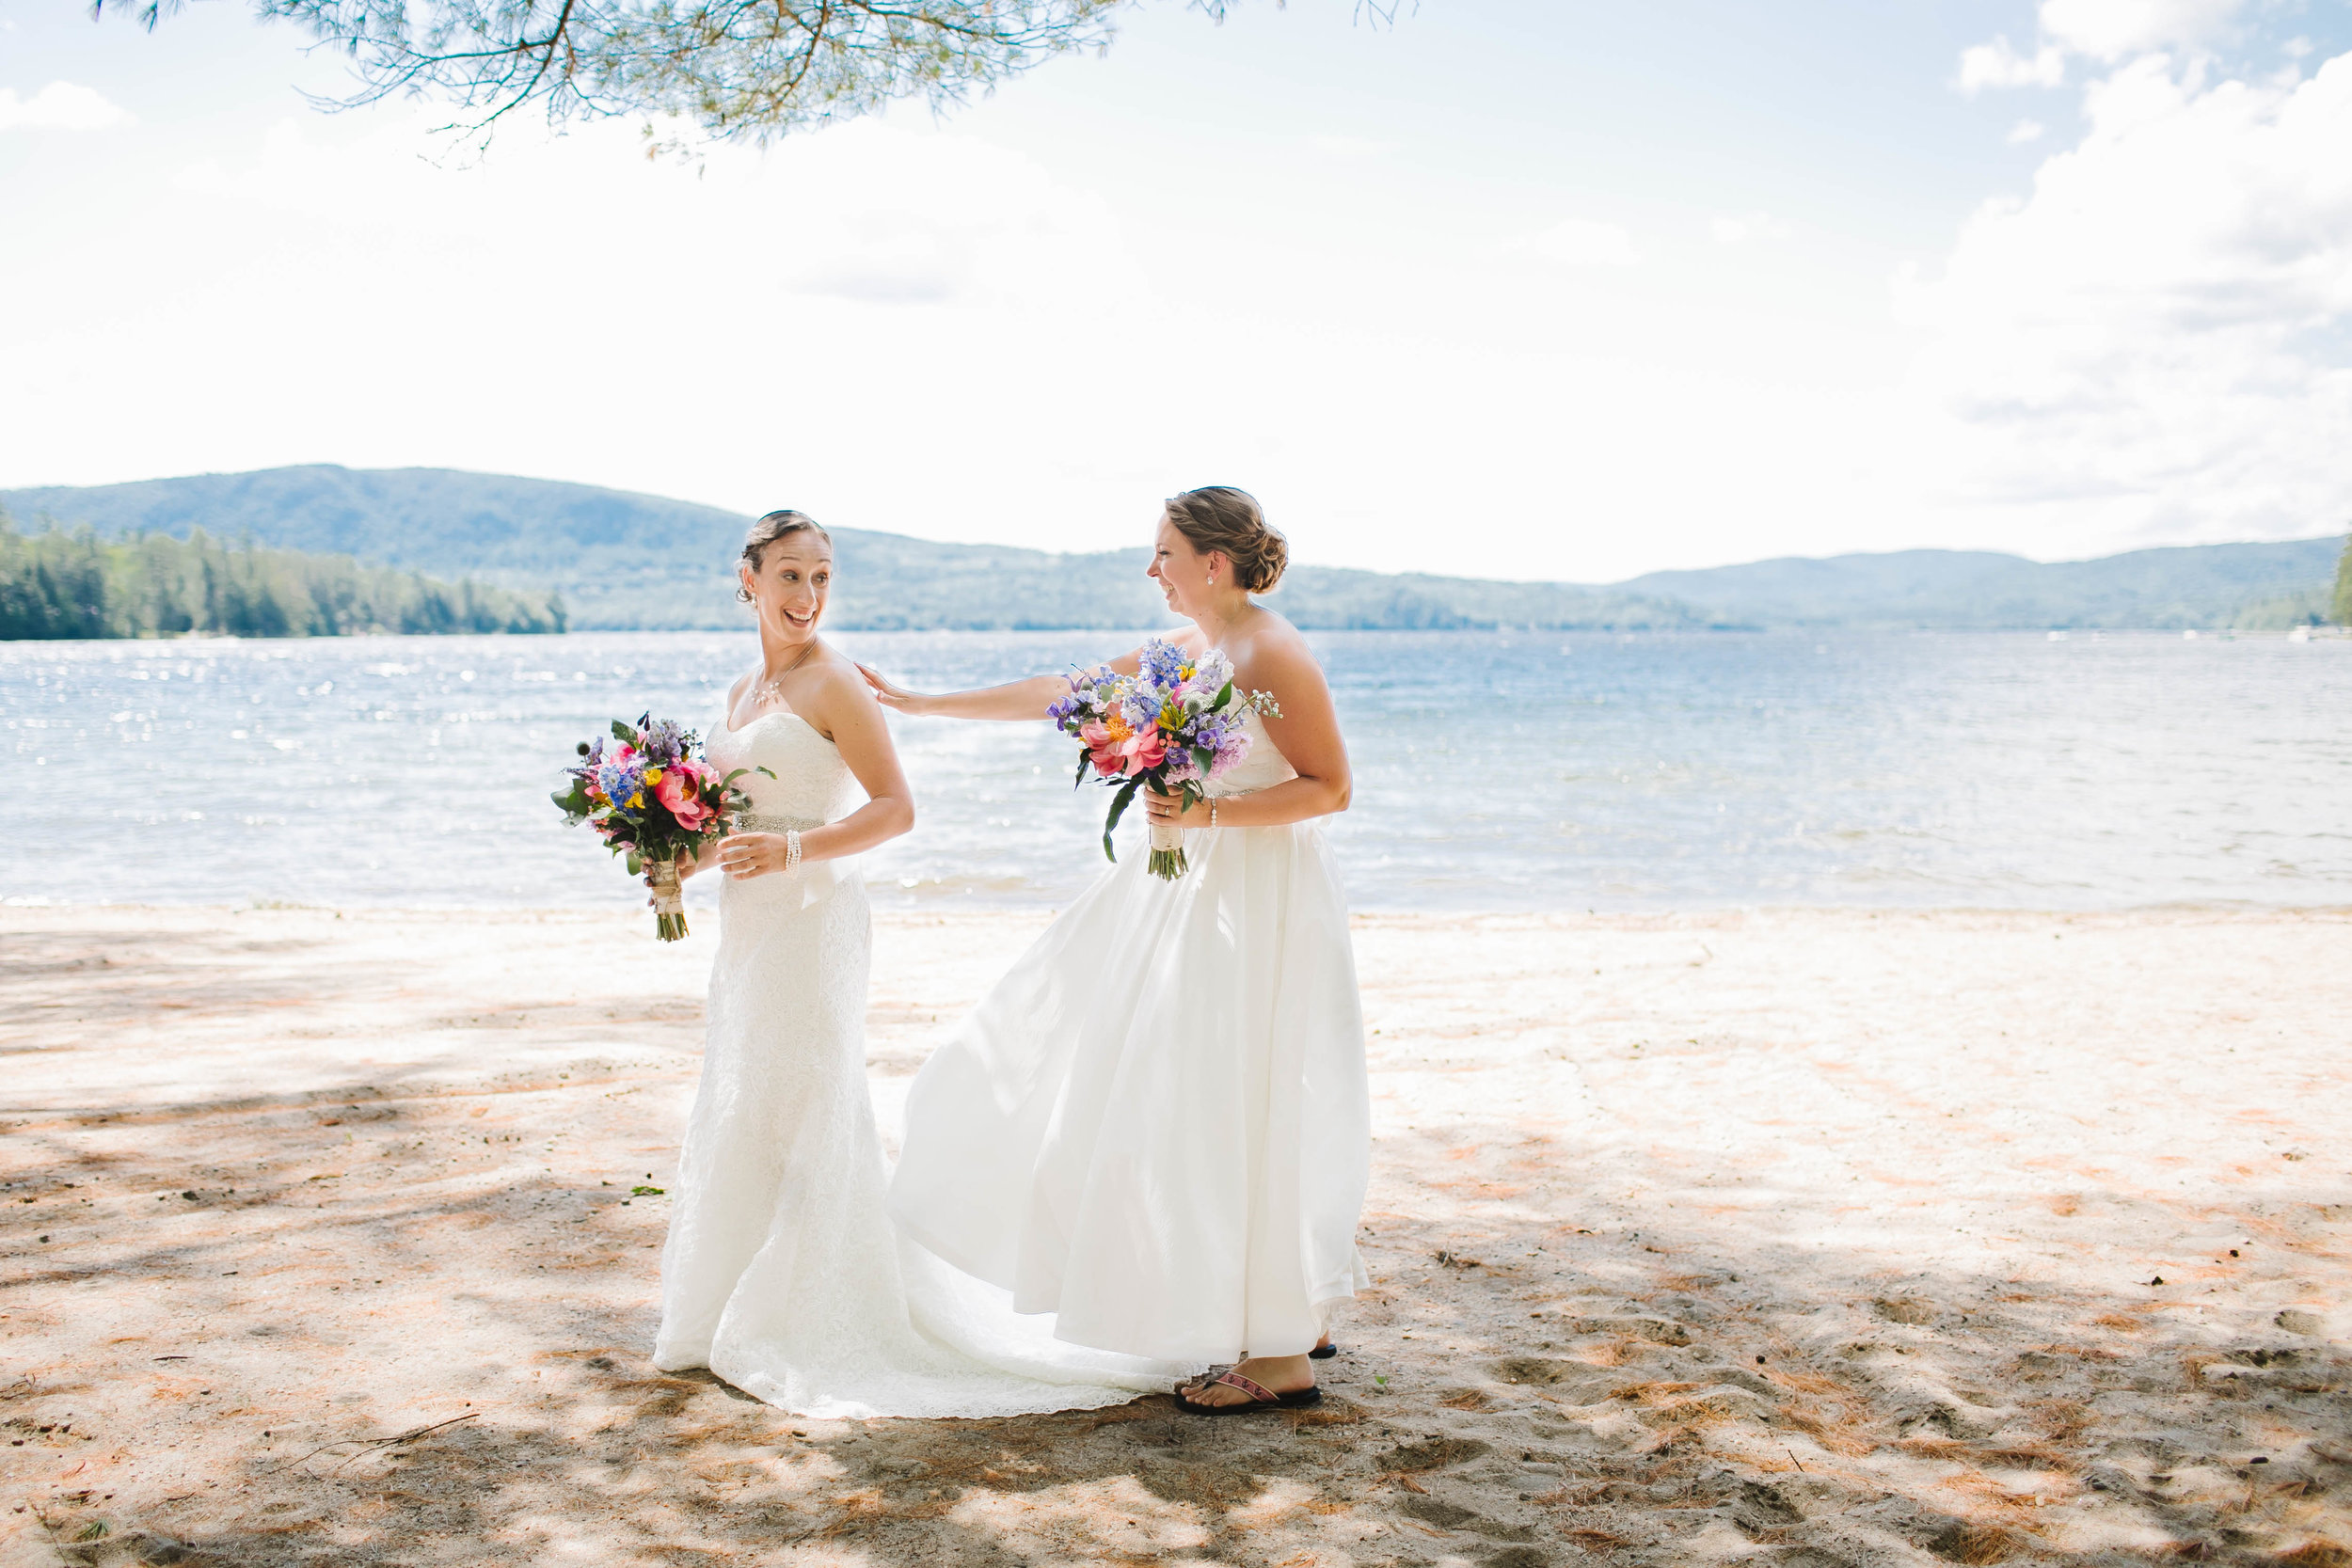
{"points": [[1015, 699]]}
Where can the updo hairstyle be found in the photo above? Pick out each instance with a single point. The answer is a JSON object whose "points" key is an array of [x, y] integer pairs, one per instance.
{"points": [[1221, 518], [775, 526]]}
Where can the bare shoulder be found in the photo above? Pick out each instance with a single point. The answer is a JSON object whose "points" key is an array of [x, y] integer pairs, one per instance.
{"points": [[834, 693], [736, 689], [1272, 654]]}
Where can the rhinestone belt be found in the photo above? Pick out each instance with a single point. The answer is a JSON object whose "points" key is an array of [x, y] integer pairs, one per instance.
{"points": [[761, 822]]}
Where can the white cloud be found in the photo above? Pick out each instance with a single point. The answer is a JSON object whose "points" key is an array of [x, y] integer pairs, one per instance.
{"points": [[2156, 342], [60, 106], [1998, 65], [2106, 31], [868, 213], [1728, 229], [2025, 131], [2117, 29], [1586, 242], [1350, 147]]}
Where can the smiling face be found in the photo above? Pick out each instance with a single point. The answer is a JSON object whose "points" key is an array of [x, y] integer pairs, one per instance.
{"points": [[790, 586], [1185, 574]]}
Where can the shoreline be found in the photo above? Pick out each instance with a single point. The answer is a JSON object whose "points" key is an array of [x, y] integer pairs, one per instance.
{"points": [[1922, 1164]]}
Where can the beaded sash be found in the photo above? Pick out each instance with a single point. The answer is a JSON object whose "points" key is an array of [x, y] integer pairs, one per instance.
{"points": [[762, 822]]}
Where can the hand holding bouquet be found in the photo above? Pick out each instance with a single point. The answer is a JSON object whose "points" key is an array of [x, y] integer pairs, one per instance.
{"points": [[1174, 724], [652, 798]]}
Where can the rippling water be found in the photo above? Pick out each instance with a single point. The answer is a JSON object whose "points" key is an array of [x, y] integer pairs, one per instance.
{"points": [[1494, 770]]}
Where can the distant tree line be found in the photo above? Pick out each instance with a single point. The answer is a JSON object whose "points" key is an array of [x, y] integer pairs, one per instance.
{"points": [[61, 584], [2344, 584]]}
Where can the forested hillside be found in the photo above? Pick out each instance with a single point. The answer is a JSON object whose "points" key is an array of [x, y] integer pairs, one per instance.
{"points": [[61, 584], [622, 560], [2196, 585]]}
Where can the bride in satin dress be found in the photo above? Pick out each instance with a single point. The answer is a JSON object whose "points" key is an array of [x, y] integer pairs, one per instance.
{"points": [[782, 1273], [1155, 1127]]}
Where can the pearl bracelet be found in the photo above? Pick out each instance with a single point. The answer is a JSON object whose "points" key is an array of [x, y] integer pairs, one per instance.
{"points": [[791, 850], [1212, 813]]}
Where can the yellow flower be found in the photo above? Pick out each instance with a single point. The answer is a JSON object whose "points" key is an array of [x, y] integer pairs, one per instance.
{"points": [[653, 775], [1171, 716], [1115, 722], [637, 801]]}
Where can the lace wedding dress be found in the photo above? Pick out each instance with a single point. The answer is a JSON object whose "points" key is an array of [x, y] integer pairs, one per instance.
{"points": [[1156, 1126], [782, 1273]]}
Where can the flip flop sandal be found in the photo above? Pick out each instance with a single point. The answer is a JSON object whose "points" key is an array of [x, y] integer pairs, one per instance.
{"points": [[1261, 1398], [1321, 1352]]}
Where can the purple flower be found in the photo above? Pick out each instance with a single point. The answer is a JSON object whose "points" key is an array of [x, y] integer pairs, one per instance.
{"points": [[667, 742]]}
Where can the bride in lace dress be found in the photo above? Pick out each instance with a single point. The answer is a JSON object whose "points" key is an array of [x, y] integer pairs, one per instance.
{"points": [[782, 1273], [1156, 1126]]}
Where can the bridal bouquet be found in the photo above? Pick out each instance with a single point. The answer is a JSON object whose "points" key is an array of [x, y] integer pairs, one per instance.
{"points": [[1174, 724], [650, 797]]}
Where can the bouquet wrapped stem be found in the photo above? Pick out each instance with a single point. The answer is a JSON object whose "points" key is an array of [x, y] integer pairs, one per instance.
{"points": [[1167, 841], [669, 905]]}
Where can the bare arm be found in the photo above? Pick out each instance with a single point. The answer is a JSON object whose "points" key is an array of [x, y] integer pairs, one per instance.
{"points": [[1015, 700], [1308, 733]]}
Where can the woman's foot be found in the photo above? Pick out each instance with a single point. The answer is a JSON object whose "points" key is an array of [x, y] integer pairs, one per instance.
{"points": [[1277, 1374], [1323, 1350]]}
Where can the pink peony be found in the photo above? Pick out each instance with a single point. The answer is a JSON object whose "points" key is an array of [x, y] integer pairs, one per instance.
{"points": [[1114, 757], [680, 790]]}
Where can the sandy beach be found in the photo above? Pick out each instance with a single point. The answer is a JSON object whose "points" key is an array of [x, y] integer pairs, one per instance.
{"points": [[1796, 1237]]}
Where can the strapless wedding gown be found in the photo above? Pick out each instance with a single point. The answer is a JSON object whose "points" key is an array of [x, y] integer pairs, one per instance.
{"points": [[782, 1273], [1156, 1126]]}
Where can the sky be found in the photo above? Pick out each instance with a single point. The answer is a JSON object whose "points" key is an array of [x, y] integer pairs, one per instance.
{"points": [[1510, 288]]}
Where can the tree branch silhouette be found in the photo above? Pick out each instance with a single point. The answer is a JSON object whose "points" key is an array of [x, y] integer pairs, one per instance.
{"points": [[749, 71]]}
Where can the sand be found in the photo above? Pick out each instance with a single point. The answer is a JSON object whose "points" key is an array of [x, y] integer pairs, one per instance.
{"points": [[1786, 1237]]}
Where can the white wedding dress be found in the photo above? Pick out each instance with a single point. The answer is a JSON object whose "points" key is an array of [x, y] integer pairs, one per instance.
{"points": [[782, 1273], [1156, 1126]]}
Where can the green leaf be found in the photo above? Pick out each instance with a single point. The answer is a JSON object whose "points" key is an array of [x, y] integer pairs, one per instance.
{"points": [[1118, 809], [1083, 758], [624, 734], [636, 863], [1225, 695], [1204, 757]]}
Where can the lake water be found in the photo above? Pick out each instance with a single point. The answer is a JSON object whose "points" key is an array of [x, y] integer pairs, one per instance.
{"points": [[1493, 770]]}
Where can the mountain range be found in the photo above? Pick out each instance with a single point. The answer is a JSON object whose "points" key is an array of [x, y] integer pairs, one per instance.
{"points": [[626, 560]]}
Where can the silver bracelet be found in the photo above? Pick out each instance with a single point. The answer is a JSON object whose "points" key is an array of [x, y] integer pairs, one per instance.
{"points": [[791, 850]]}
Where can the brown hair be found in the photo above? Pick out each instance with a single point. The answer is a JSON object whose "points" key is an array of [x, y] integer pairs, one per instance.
{"points": [[775, 526], [1221, 518]]}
